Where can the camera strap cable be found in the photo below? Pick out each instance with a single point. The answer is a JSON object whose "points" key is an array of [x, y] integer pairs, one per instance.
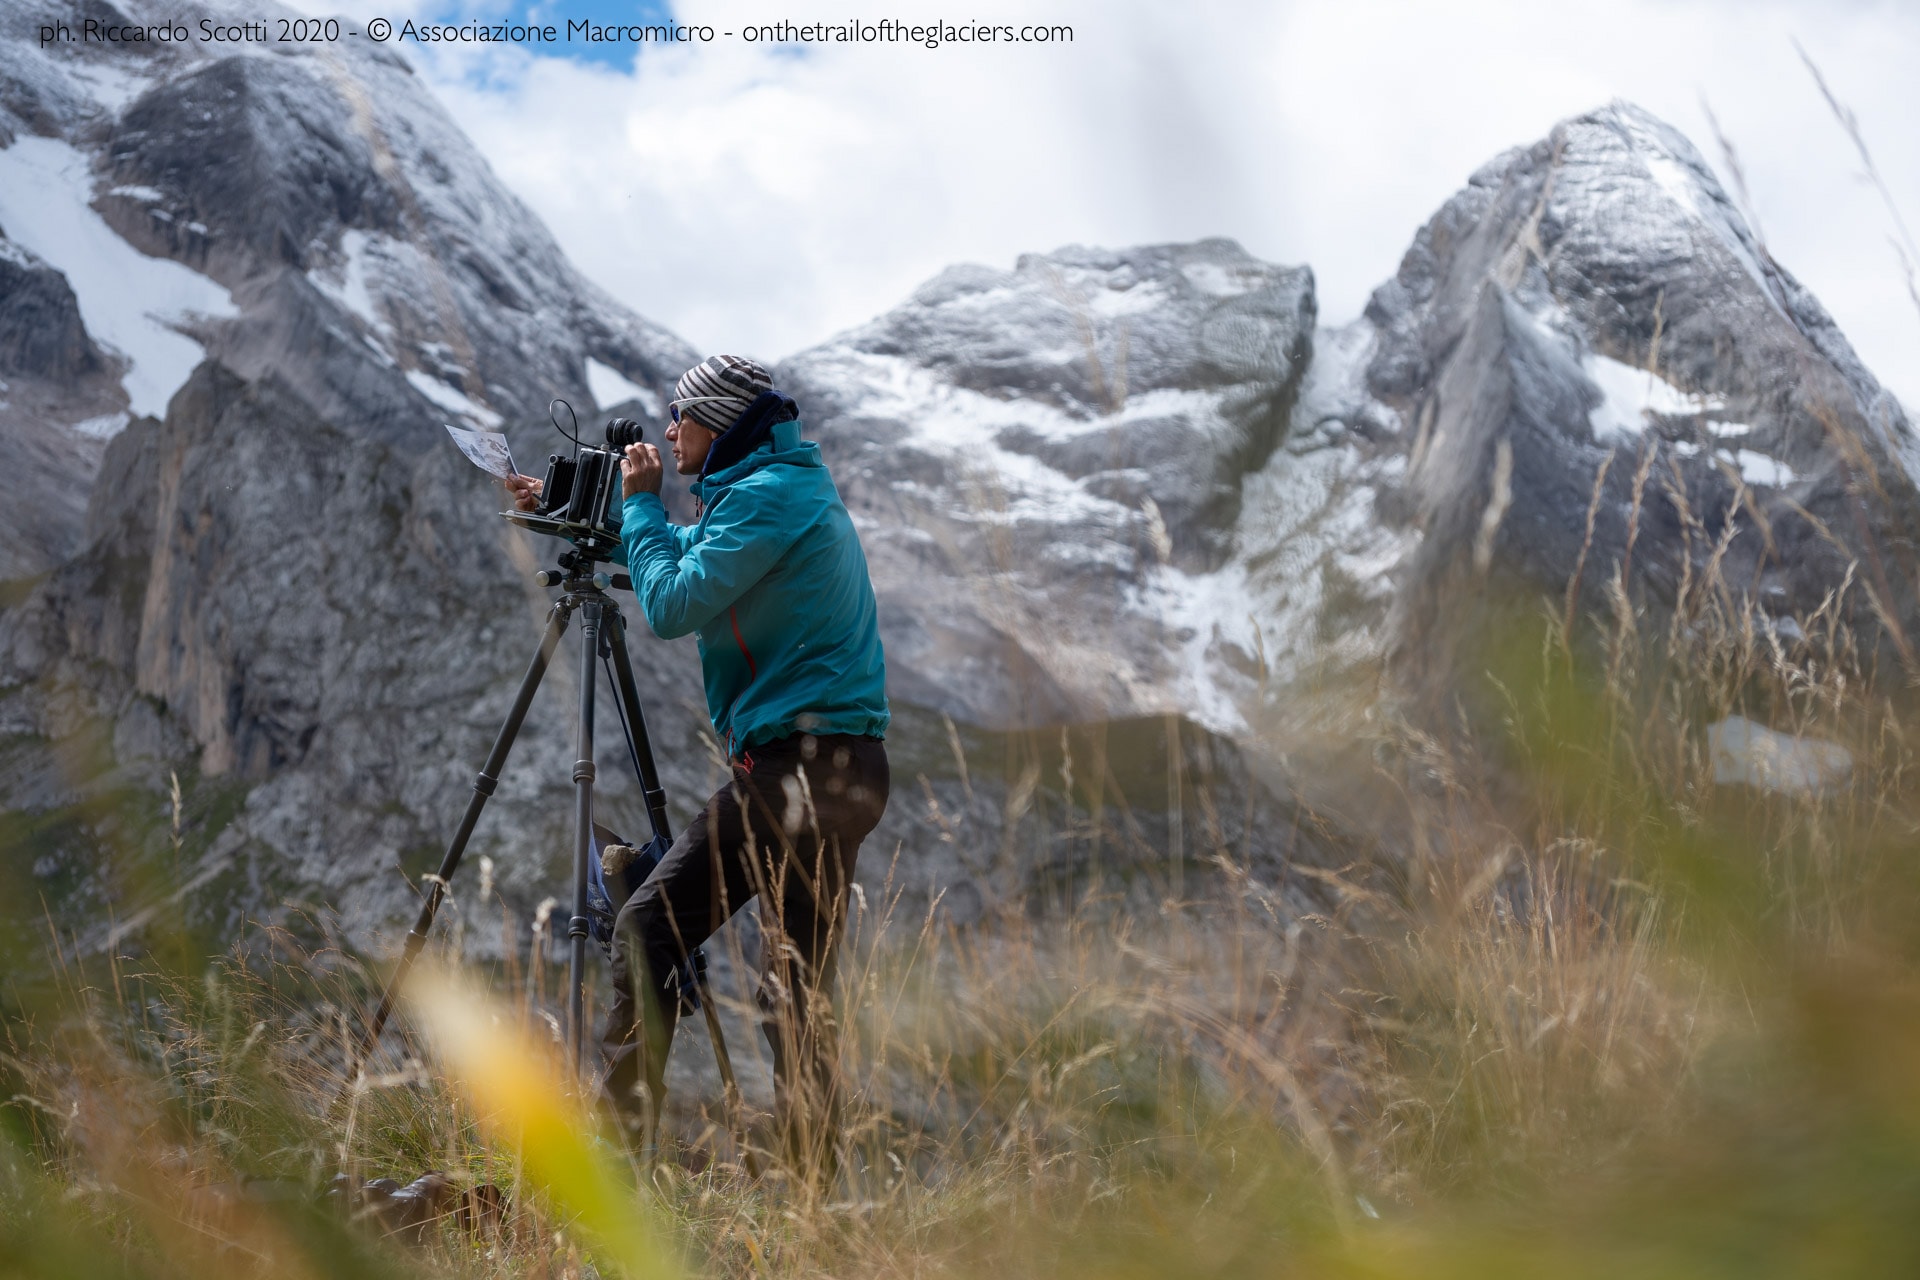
{"points": [[554, 418]]}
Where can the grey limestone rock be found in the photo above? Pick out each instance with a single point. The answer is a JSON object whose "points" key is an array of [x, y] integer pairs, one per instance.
{"points": [[1029, 450], [52, 373], [1595, 309], [41, 333], [255, 158]]}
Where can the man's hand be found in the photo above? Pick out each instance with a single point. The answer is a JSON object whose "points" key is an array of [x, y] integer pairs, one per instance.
{"points": [[640, 470], [525, 491]]}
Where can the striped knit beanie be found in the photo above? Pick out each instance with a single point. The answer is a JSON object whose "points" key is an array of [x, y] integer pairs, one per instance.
{"points": [[736, 380]]}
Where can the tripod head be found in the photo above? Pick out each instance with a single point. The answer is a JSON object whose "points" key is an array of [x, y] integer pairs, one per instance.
{"points": [[578, 574]]}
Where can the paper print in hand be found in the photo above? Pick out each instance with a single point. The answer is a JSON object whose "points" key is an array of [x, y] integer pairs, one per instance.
{"points": [[487, 450]]}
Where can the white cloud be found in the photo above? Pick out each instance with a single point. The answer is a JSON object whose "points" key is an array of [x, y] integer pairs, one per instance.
{"points": [[759, 201]]}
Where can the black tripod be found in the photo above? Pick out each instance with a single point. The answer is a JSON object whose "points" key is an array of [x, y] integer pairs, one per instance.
{"points": [[603, 636]]}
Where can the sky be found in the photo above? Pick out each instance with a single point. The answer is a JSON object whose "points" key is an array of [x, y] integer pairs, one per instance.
{"points": [[759, 198]]}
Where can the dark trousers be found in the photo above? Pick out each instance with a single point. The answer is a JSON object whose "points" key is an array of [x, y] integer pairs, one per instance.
{"points": [[786, 829]]}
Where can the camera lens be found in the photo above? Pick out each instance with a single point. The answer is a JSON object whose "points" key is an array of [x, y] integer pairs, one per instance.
{"points": [[622, 432]]}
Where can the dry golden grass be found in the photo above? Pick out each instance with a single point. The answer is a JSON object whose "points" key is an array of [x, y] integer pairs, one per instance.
{"points": [[1615, 1017], [1571, 1005]]}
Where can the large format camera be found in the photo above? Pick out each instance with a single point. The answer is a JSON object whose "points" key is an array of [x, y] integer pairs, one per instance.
{"points": [[580, 500]]}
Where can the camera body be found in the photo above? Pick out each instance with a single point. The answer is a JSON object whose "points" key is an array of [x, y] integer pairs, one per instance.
{"points": [[580, 498]]}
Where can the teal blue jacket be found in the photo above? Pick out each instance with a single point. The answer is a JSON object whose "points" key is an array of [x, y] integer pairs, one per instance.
{"points": [[773, 583]]}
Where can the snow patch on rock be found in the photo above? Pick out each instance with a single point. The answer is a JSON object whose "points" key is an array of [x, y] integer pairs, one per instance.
{"points": [[451, 400], [1630, 395], [1197, 613], [1313, 562], [129, 301], [1759, 469], [104, 427], [347, 282], [943, 418], [611, 387], [112, 87]]}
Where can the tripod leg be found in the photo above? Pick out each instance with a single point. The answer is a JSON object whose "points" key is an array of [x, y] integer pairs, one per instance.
{"points": [[483, 786], [629, 693], [728, 1084], [583, 774], [657, 814]]}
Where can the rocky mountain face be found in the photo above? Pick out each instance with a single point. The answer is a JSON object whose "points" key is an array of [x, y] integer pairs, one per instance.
{"points": [[307, 212], [280, 584], [1119, 504], [1604, 378], [1053, 460]]}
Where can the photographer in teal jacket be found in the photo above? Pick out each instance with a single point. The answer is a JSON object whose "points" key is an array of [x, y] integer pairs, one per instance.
{"points": [[771, 578], [772, 581]]}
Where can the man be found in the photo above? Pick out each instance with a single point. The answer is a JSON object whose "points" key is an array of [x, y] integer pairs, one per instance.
{"points": [[772, 581]]}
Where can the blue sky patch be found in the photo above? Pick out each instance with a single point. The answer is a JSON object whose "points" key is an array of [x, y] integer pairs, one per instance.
{"points": [[618, 56]]}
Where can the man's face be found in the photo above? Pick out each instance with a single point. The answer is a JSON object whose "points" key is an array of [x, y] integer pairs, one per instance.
{"points": [[690, 443]]}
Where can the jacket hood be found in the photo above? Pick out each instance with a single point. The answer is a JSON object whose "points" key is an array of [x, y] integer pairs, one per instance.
{"points": [[783, 448], [752, 429]]}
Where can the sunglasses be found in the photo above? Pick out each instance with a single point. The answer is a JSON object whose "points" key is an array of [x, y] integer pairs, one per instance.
{"points": [[673, 406]]}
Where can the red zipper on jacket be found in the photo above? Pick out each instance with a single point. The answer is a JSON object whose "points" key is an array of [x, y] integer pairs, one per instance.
{"points": [[753, 672]]}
